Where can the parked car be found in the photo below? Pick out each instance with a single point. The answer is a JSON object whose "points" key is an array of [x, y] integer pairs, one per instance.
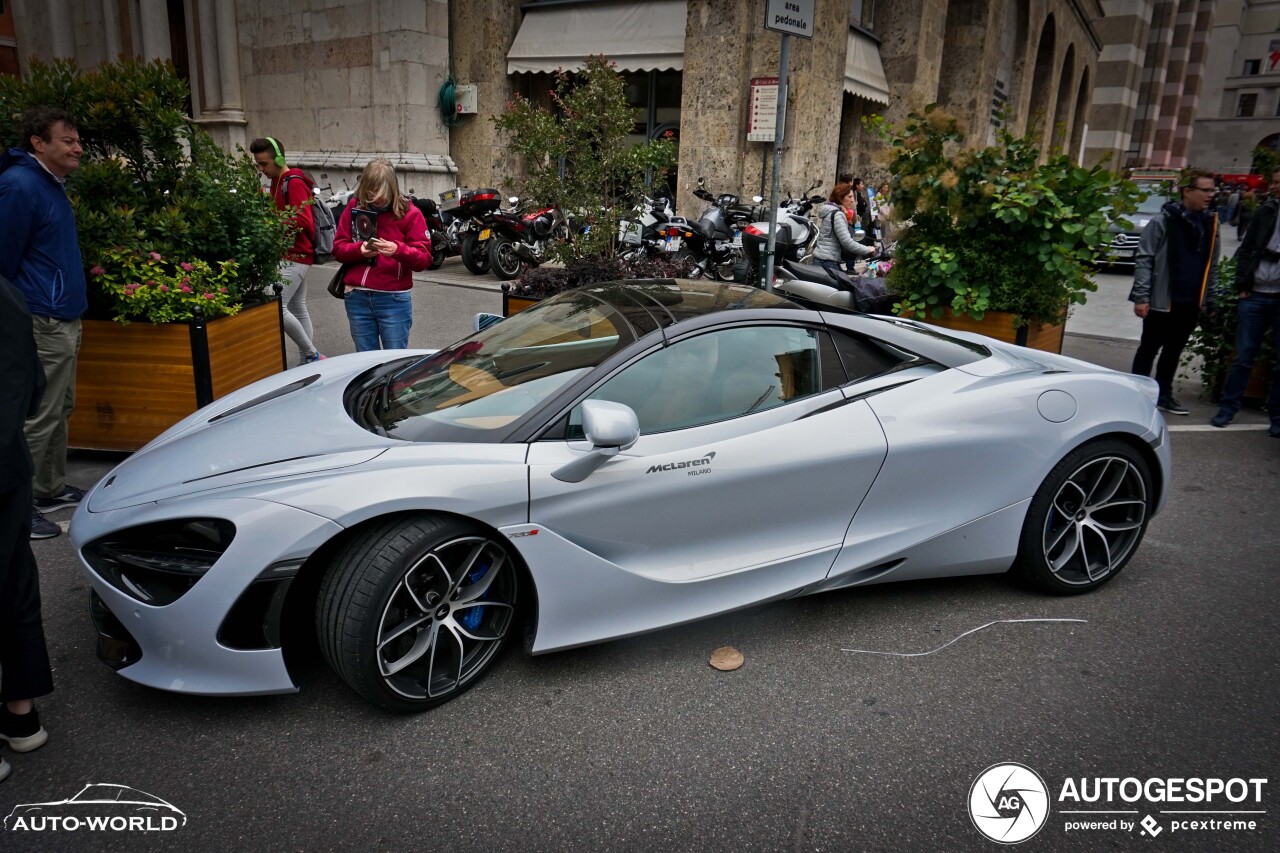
{"points": [[613, 460], [1123, 248]]}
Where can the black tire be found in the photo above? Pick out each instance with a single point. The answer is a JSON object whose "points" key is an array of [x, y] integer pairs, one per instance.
{"points": [[1087, 519], [503, 260], [723, 271], [437, 257], [399, 589], [475, 253], [691, 257]]}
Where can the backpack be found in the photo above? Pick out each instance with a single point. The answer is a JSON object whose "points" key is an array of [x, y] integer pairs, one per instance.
{"points": [[326, 227]]}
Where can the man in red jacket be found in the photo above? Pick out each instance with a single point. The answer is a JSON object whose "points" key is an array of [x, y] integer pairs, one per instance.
{"points": [[290, 188]]}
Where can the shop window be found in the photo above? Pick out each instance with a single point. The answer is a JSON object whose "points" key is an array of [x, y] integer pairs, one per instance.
{"points": [[1246, 105], [862, 13]]}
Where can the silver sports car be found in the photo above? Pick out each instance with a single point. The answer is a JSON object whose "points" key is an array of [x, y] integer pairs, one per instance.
{"points": [[610, 461]]}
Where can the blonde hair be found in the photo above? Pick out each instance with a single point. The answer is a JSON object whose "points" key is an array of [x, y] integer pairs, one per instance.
{"points": [[379, 179]]}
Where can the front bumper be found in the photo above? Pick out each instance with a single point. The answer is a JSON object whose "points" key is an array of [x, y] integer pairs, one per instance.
{"points": [[177, 646]]}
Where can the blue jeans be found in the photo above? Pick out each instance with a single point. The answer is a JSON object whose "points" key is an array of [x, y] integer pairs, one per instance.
{"points": [[375, 315], [1254, 313]]}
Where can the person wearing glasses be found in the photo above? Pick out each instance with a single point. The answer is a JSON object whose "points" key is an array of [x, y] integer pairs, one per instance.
{"points": [[1174, 278]]}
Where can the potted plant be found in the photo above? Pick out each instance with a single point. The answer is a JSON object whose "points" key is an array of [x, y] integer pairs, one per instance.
{"points": [[181, 250], [1214, 343], [994, 240]]}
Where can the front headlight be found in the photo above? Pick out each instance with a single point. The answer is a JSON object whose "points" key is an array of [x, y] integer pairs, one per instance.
{"points": [[157, 563]]}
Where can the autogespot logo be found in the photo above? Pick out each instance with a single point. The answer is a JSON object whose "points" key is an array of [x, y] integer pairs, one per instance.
{"points": [[1008, 803]]}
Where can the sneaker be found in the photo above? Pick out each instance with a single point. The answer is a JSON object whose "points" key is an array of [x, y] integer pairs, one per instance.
{"points": [[1170, 406], [43, 528], [69, 496], [22, 732], [1224, 417], [4, 769], [314, 357]]}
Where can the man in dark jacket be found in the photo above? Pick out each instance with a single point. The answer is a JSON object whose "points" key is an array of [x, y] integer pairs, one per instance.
{"points": [[1258, 282], [40, 254], [1175, 275], [24, 658]]}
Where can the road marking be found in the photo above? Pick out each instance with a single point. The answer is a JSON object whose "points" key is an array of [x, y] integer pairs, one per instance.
{"points": [[1212, 428]]}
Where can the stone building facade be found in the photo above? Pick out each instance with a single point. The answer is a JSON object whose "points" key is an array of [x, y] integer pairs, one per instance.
{"points": [[1241, 100], [342, 81]]}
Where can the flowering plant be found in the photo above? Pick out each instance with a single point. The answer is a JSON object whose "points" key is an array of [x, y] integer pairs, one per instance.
{"points": [[146, 286]]}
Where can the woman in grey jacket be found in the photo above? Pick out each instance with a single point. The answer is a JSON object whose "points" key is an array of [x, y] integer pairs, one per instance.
{"points": [[835, 237]]}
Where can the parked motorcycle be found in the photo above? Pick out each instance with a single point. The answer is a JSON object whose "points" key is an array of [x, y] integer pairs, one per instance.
{"points": [[796, 236], [524, 238], [714, 241], [651, 230], [474, 210], [444, 228]]}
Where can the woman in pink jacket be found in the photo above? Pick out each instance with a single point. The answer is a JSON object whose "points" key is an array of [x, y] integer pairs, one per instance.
{"points": [[380, 279]]}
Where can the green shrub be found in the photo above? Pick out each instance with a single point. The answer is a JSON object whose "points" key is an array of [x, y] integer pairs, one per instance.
{"points": [[993, 229], [577, 155]]}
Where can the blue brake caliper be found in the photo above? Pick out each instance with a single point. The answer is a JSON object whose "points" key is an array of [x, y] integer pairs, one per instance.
{"points": [[470, 618]]}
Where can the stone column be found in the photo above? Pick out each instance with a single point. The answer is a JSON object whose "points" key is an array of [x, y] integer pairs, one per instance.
{"points": [[1154, 73], [228, 57], [970, 60], [912, 37], [483, 31], [723, 38], [61, 33], [1175, 78], [1189, 101], [210, 87], [1123, 32], [111, 29], [154, 23]]}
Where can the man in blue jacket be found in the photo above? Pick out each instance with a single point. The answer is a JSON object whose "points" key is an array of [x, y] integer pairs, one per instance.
{"points": [[40, 254]]}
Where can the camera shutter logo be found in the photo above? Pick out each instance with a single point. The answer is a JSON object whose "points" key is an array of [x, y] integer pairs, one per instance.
{"points": [[1008, 803]]}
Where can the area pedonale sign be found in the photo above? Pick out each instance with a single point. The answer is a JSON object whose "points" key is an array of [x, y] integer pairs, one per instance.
{"points": [[789, 17]]}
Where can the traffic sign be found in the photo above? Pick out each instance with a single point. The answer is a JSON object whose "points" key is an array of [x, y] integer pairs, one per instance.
{"points": [[789, 17]]}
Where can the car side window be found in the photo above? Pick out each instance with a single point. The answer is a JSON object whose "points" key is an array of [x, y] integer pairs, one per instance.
{"points": [[863, 357], [722, 375]]}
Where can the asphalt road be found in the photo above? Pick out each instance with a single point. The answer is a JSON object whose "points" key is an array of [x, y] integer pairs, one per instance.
{"points": [[640, 745]]}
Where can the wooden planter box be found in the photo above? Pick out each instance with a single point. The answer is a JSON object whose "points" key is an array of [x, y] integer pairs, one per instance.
{"points": [[133, 382], [516, 304], [999, 325]]}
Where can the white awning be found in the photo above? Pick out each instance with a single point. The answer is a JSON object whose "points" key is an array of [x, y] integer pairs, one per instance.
{"points": [[639, 36], [863, 72]]}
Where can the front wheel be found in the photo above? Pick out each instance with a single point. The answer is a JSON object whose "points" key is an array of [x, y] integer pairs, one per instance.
{"points": [[475, 253], [1087, 519], [414, 611], [503, 259]]}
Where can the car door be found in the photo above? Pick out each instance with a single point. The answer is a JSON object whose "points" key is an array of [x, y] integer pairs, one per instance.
{"points": [[749, 458]]}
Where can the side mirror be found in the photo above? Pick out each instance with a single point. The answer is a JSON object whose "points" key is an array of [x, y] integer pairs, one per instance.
{"points": [[859, 234], [611, 428]]}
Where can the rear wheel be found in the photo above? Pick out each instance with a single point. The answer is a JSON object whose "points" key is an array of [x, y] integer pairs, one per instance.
{"points": [[475, 253], [503, 260], [1087, 519], [414, 611]]}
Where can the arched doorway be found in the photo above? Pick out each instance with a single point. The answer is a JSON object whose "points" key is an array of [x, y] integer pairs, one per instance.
{"points": [[1062, 112], [1039, 105], [1079, 128]]}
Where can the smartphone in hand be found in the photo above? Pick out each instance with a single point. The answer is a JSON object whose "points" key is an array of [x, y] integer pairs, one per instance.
{"points": [[364, 225]]}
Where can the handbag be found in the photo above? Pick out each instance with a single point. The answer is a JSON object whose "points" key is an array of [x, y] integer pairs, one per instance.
{"points": [[336, 288]]}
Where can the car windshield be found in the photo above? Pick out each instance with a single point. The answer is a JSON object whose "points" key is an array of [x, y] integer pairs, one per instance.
{"points": [[491, 379], [1152, 203]]}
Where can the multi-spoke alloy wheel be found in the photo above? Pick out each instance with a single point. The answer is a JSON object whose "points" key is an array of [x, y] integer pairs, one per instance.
{"points": [[415, 611], [1087, 518]]}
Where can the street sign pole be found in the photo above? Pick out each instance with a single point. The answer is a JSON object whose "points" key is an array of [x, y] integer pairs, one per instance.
{"points": [[779, 131]]}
